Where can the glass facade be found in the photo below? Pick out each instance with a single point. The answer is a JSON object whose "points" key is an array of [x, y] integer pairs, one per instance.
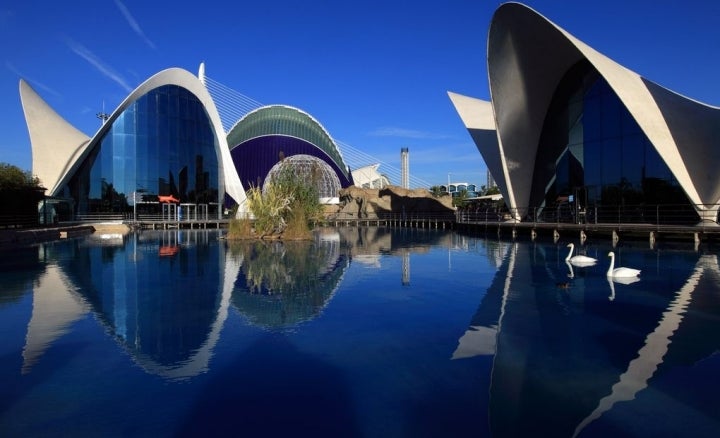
{"points": [[457, 188], [162, 144], [593, 154]]}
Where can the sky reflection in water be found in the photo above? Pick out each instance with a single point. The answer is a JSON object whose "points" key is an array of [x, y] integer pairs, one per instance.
{"points": [[362, 332]]}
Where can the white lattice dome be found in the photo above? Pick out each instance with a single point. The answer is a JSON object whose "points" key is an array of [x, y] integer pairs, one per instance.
{"points": [[311, 170]]}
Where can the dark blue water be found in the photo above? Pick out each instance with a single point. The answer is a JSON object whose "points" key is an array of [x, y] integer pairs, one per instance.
{"points": [[362, 332]]}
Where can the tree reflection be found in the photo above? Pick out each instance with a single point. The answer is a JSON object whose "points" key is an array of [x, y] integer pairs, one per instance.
{"points": [[282, 284]]}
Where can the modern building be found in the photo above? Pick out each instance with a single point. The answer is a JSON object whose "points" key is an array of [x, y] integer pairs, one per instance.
{"points": [[268, 138], [368, 177], [164, 140], [164, 150], [566, 124], [456, 188]]}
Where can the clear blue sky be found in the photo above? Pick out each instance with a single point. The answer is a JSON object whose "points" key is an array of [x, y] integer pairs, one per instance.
{"points": [[374, 73]]}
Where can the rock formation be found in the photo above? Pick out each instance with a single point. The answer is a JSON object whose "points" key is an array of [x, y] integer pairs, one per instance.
{"points": [[357, 202]]}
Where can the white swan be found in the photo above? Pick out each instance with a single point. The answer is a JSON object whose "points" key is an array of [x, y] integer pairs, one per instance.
{"points": [[620, 272], [579, 260]]}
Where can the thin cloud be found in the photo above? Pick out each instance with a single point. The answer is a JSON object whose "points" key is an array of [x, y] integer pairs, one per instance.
{"points": [[36, 84], [404, 133], [133, 23], [103, 68]]}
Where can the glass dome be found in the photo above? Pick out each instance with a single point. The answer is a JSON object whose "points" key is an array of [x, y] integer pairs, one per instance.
{"points": [[311, 170]]}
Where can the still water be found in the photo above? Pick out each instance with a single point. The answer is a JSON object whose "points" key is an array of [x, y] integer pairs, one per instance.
{"points": [[366, 332]]}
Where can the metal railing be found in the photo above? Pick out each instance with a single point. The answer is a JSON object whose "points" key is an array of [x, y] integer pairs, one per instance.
{"points": [[659, 215], [12, 221], [102, 217], [393, 217]]}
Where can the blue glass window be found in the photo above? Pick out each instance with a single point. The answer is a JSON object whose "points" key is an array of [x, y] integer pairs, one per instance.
{"points": [[591, 144], [162, 144]]}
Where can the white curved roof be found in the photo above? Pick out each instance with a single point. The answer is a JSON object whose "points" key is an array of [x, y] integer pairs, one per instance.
{"points": [[55, 143], [528, 55], [53, 137], [369, 175]]}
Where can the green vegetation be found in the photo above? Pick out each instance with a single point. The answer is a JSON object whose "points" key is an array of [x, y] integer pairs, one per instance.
{"points": [[13, 178], [494, 190], [460, 199], [437, 191], [288, 208], [20, 193], [240, 229]]}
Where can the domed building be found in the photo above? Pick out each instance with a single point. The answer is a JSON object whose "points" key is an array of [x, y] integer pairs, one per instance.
{"points": [[271, 137], [164, 150]]}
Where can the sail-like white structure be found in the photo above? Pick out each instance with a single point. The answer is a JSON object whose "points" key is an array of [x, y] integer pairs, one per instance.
{"points": [[170, 116], [530, 63]]}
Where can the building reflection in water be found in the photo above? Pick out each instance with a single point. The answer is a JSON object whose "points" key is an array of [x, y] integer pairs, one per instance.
{"points": [[158, 295], [367, 245], [56, 306], [480, 337], [166, 312], [563, 358], [656, 345]]}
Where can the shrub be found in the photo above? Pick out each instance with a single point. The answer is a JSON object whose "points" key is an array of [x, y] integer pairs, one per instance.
{"points": [[240, 229], [287, 206]]}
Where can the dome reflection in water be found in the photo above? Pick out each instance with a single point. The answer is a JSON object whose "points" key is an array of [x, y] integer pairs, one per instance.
{"points": [[360, 332], [282, 284]]}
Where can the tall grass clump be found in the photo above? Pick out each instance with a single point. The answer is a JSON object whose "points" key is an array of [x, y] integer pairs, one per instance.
{"points": [[240, 229], [287, 207]]}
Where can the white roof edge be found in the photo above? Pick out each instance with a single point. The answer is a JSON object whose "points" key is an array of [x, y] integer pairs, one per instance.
{"points": [[184, 79], [52, 139], [628, 85], [475, 113]]}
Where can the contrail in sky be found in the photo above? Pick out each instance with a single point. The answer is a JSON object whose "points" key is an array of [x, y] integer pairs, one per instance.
{"points": [[37, 84], [133, 23], [90, 57]]}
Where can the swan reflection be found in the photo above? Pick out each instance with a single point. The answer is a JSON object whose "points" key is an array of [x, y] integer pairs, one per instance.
{"points": [[547, 357], [657, 344]]}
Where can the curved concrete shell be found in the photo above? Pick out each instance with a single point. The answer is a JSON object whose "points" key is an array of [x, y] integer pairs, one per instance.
{"points": [[528, 56], [56, 144], [53, 137]]}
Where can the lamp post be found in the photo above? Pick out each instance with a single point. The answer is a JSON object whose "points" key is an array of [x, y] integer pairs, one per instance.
{"points": [[134, 195]]}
